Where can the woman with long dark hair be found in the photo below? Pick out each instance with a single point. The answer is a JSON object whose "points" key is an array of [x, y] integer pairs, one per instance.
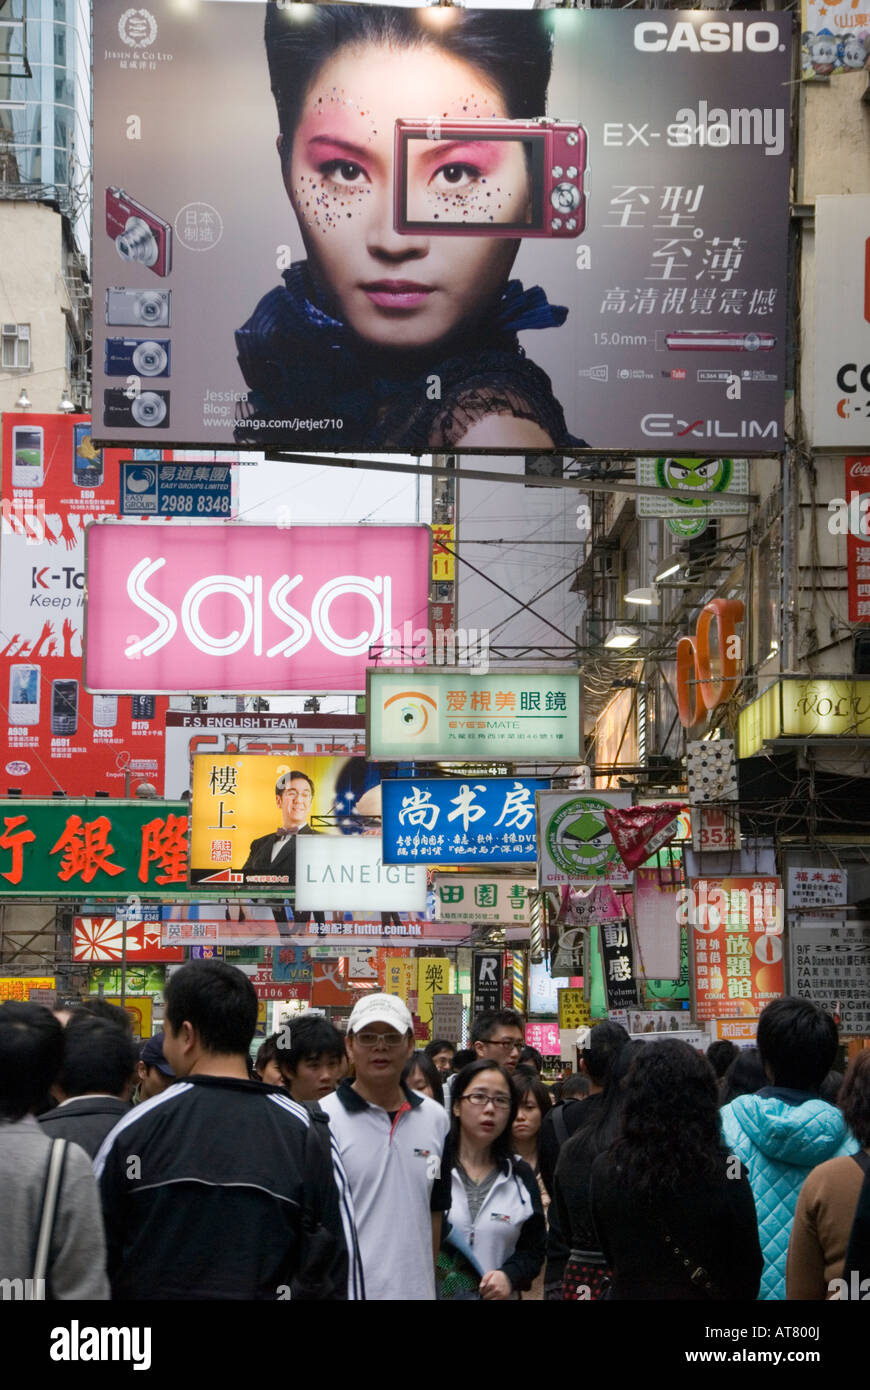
{"points": [[493, 1242], [402, 340], [673, 1210], [573, 1250]]}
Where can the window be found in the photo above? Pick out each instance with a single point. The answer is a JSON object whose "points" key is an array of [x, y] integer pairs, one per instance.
{"points": [[15, 351]]}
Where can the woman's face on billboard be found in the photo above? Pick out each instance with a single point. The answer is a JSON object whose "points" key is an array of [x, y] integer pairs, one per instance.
{"points": [[396, 290]]}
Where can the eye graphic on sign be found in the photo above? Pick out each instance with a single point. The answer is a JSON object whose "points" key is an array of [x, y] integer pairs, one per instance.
{"points": [[411, 709]]}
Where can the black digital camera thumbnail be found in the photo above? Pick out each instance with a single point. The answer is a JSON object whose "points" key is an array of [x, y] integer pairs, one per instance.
{"points": [[148, 409]]}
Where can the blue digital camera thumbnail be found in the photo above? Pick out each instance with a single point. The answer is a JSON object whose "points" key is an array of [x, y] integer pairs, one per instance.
{"points": [[138, 357]]}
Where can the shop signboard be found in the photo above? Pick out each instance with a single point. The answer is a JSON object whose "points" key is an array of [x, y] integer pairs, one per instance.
{"points": [[348, 874], [462, 821], [93, 848], [434, 715], [573, 1009], [854, 521], [830, 964], [229, 607], [21, 988], [472, 898], [618, 964], [839, 342], [105, 938], [735, 932], [575, 846], [810, 708], [543, 1036], [817, 886], [487, 977]]}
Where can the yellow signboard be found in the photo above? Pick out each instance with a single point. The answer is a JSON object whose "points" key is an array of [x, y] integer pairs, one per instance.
{"points": [[805, 709], [18, 987], [433, 977], [443, 560], [574, 1010], [401, 975], [140, 1010]]}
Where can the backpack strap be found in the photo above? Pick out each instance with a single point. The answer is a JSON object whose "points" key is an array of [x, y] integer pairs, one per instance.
{"points": [[862, 1158], [560, 1129], [48, 1211]]}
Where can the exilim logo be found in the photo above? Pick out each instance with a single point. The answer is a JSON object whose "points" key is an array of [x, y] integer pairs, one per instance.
{"points": [[717, 36], [671, 427]]}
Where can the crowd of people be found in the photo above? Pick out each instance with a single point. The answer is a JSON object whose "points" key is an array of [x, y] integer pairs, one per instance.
{"points": [[354, 1167]]}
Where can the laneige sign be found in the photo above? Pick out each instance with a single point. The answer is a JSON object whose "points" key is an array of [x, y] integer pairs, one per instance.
{"points": [[346, 873]]}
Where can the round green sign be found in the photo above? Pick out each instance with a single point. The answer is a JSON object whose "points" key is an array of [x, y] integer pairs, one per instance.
{"points": [[578, 840]]}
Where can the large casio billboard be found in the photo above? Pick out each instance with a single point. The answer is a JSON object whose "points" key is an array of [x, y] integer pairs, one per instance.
{"points": [[500, 230]]}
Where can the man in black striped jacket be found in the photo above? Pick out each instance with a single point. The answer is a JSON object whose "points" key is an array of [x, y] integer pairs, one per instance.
{"points": [[205, 1187]]}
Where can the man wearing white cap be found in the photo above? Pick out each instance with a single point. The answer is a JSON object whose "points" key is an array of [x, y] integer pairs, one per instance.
{"points": [[392, 1144]]}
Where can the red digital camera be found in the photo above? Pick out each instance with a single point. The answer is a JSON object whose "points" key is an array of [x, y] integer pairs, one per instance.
{"points": [[141, 237], [489, 178]]}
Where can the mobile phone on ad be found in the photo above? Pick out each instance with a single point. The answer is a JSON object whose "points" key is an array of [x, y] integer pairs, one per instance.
{"points": [[105, 711], [143, 706], [23, 694], [64, 707], [28, 444], [87, 469]]}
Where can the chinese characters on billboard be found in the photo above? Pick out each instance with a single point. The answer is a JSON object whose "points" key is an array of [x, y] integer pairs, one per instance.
{"points": [[454, 821], [735, 929], [78, 849]]}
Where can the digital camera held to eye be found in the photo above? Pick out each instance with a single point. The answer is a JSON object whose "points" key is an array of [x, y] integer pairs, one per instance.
{"points": [[489, 178], [141, 237], [142, 356], [148, 408], [133, 308]]}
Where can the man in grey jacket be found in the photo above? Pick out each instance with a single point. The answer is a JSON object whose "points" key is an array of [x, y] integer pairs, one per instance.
{"points": [[94, 1085], [31, 1057]]}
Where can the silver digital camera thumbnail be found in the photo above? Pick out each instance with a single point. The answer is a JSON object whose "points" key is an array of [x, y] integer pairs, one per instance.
{"points": [[127, 308]]}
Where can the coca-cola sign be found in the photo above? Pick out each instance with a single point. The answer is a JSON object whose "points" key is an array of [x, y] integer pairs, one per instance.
{"points": [[172, 608]]}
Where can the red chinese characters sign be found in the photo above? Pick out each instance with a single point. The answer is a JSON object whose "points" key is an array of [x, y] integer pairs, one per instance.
{"points": [[858, 538], [735, 929], [73, 848]]}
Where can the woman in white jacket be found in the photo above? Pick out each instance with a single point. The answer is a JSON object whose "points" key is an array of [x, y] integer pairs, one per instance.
{"points": [[494, 1236]]}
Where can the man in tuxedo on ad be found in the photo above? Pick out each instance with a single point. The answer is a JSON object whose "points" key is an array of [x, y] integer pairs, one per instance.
{"points": [[276, 853]]}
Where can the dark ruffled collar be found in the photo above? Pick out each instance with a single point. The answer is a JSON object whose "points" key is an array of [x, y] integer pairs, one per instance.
{"points": [[517, 310]]}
